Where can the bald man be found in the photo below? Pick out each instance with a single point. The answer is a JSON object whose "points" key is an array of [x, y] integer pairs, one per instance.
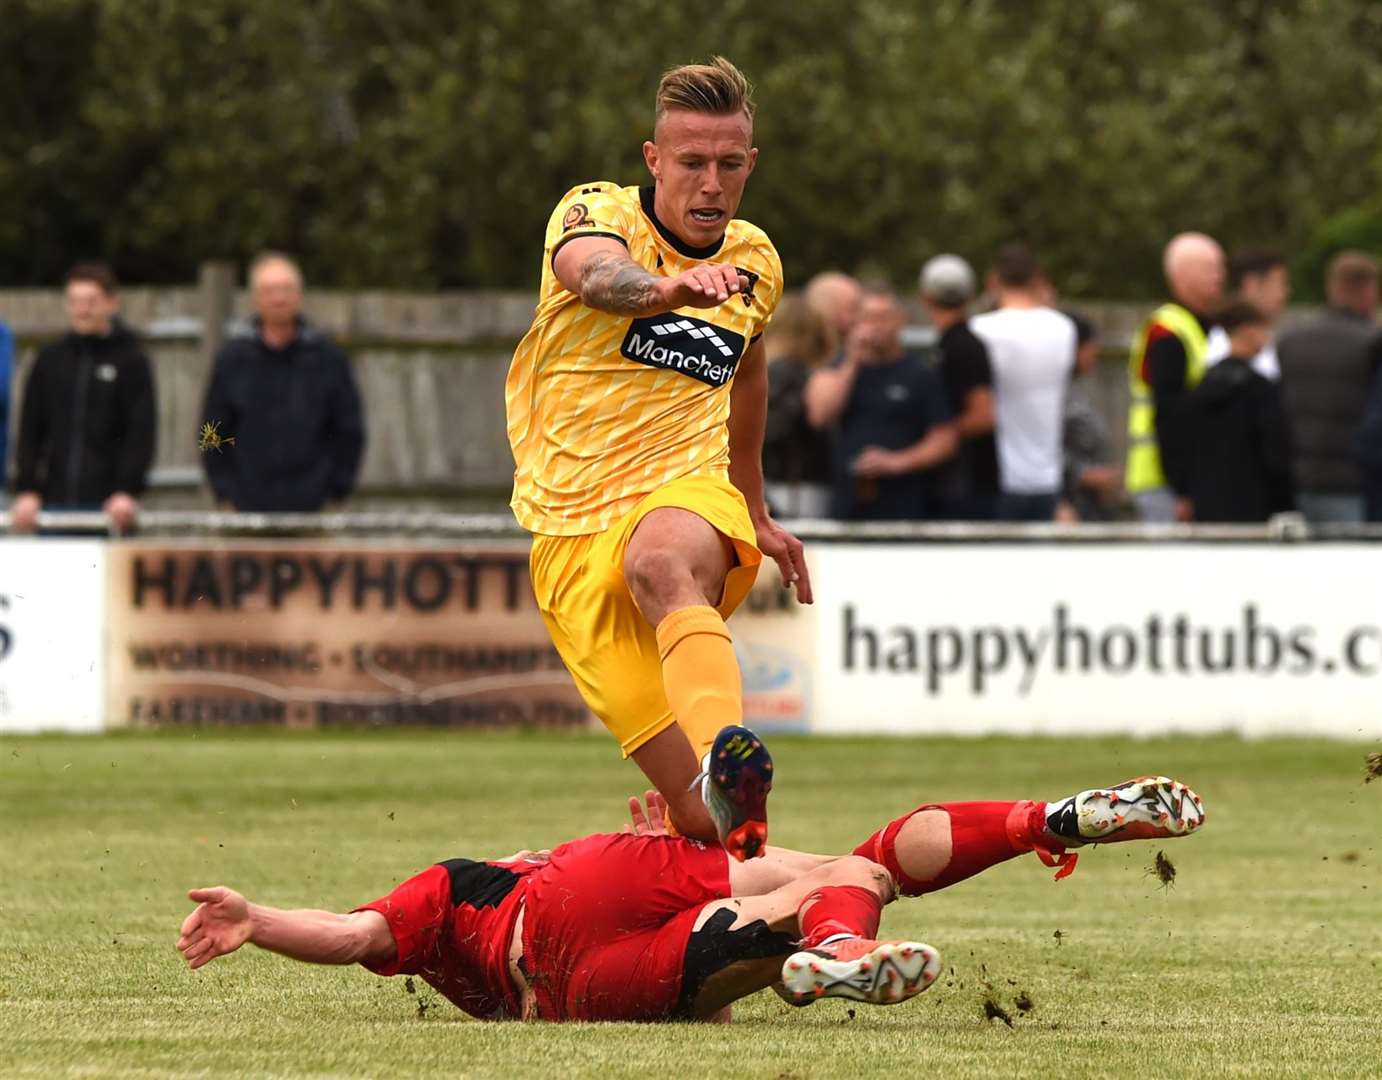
{"points": [[284, 392], [1167, 361], [836, 298]]}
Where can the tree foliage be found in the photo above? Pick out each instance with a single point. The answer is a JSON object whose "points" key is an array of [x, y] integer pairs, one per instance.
{"points": [[422, 143]]}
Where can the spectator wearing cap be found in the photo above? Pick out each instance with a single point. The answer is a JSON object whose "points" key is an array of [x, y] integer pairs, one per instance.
{"points": [[1167, 361], [887, 411], [1260, 277], [283, 390], [968, 488], [1240, 460], [1032, 352], [87, 419], [1327, 370], [796, 456]]}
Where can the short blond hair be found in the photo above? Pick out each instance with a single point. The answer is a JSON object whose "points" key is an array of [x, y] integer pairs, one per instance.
{"points": [[716, 89]]}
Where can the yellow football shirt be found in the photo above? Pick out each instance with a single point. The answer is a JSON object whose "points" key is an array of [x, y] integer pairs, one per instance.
{"points": [[604, 409]]}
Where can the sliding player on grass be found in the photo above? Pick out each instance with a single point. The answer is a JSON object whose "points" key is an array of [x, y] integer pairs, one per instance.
{"points": [[636, 405], [645, 926]]}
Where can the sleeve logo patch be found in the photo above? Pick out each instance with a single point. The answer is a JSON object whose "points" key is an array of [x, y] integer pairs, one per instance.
{"points": [[576, 215], [747, 294], [692, 347]]}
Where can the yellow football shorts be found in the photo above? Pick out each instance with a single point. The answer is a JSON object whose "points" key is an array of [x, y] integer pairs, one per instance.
{"points": [[606, 644]]}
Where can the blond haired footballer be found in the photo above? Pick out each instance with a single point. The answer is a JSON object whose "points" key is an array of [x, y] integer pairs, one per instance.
{"points": [[636, 405]]}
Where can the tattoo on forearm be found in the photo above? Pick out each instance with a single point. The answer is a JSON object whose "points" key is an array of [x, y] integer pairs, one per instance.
{"points": [[618, 285]]}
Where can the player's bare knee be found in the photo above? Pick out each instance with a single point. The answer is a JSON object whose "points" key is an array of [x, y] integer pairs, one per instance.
{"points": [[861, 872], [660, 581]]}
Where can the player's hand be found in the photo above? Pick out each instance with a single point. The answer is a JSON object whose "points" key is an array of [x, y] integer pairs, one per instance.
{"points": [[785, 550], [219, 925], [704, 286], [1185, 509], [653, 822], [1106, 481], [24, 512], [859, 345], [874, 461], [122, 510]]}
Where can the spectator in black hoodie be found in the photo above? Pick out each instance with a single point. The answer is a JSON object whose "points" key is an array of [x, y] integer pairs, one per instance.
{"points": [[284, 392], [1368, 445], [88, 419], [1241, 451]]}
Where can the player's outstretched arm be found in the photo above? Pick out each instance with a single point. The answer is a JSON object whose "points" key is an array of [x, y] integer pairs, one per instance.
{"points": [[600, 271], [224, 920]]}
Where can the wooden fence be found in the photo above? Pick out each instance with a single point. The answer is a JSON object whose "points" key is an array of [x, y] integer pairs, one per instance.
{"points": [[431, 369]]}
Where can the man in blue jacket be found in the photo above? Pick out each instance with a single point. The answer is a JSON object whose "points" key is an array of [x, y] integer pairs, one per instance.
{"points": [[283, 404]]}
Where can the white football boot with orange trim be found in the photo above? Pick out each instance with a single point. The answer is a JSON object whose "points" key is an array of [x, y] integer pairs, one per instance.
{"points": [[1146, 808], [874, 972]]}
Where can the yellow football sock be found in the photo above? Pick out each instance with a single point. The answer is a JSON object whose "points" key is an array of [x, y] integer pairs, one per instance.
{"points": [[700, 674]]}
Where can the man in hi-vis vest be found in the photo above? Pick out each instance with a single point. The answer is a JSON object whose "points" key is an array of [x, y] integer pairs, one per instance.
{"points": [[1168, 360]]}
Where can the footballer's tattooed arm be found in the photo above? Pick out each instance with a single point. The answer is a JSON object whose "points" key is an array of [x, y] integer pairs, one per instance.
{"points": [[601, 272], [613, 282]]}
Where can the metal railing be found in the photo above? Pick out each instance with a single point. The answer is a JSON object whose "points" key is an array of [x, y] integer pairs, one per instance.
{"points": [[1287, 528]]}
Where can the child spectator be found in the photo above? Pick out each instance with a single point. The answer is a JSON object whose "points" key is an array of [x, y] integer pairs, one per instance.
{"points": [[1241, 453], [1369, 447], [1093, 483]]}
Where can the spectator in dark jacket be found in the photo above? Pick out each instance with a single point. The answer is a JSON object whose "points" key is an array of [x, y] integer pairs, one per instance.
{"points": [[889, 416], [1240, 466], [1369, 447], [1327, 369], [796, 457], [6, 375], [88, 418], [284, 392]]}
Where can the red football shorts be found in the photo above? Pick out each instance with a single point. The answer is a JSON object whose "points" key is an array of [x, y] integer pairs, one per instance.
{"points": [[452, 924], [607, 921]]}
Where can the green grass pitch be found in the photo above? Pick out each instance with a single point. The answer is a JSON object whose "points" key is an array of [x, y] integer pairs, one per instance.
{"points": [[1263, 959]]}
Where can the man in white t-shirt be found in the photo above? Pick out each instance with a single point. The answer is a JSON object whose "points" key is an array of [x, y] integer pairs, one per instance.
{"points": [[1261, 278], [1032, 352]]}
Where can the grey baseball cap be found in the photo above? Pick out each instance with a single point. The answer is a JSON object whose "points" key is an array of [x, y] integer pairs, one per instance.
{"points": [[947, 279]]}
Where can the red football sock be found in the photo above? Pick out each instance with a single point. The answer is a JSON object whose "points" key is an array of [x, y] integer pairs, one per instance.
{"points": [[982, 834], [838, 909]]}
